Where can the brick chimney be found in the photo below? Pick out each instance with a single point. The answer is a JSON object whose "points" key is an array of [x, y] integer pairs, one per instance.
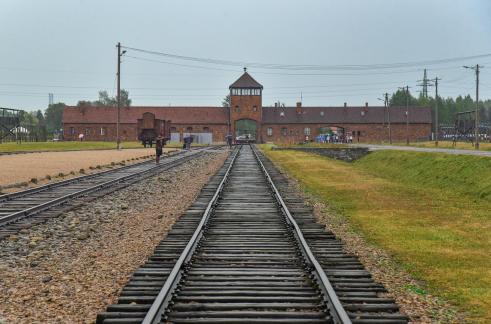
{"points": [[298, 109], [345, 105]]}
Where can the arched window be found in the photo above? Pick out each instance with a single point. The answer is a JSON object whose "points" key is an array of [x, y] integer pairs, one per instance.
{"points": [[237, 109], [254, 108], [189, 129]]}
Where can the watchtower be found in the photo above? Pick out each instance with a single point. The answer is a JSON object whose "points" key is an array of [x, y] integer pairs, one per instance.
{"points": [[246, 107]]}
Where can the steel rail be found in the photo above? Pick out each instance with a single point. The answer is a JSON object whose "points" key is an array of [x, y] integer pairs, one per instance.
{"points": [[4, 220], [162, 300], [334, 304]]}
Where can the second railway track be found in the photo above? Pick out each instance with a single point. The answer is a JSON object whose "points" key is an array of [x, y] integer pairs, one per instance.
{"points": [[21, 206], [239, 256]]}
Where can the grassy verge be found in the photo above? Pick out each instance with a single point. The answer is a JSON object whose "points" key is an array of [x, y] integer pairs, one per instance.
{"points": [[483, 146], [63, 146], [431, 211]]}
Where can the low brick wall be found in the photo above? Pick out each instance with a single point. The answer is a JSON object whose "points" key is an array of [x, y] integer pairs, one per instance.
{"points": [[347, 154]]}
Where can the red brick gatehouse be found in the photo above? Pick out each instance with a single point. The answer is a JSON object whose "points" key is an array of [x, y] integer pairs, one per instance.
{"points": [[247, 115]]}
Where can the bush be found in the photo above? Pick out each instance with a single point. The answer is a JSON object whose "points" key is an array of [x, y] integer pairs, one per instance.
{"points": [[82, 171], [61, 175], [47, 177], [34, 180]]}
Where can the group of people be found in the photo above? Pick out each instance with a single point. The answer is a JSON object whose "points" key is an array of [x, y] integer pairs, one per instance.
{"points": [[160, 142], [334, 138]]}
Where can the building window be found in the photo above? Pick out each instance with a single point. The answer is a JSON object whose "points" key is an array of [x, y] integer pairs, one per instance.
{"points": [[72, 130], [87, 131], [254, 108], [103, 131], [363, 112], [322, 113], [282, 113], [270, 131], [189, 129], [237, 109], [284, 131], [306, 131], [206, 129], [291, 131]]}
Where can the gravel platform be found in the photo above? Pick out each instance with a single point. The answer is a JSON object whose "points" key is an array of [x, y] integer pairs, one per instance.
{"points": [[69, 268]]}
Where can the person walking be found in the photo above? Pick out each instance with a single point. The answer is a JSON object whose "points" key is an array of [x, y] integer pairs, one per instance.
{"points": [[159, 145], [229, 140]]}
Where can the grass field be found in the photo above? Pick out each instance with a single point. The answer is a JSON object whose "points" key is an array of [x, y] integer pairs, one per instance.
{"points": [[63, 146], [483, 146], [430, 211], [74, 146]]}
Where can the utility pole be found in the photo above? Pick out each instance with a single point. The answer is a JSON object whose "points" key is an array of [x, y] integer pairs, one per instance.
{"points": [[406, 89], [476, 69], [437, 128], [387, 106], [118, 97], [424, 85], [407, 115]]}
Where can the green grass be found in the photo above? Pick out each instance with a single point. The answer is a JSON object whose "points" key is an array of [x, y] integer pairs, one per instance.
{"points": [[483, 146], [430, 211], [63, 146]]}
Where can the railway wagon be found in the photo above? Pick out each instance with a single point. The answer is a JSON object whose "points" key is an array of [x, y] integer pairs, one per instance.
{"points": [[149, 128]]}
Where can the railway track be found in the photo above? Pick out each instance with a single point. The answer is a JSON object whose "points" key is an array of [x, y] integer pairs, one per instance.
{"points": [[21, 209], [238, 255]]}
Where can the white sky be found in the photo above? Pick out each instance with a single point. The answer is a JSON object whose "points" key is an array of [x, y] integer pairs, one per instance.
{"points": [[67, 47]]}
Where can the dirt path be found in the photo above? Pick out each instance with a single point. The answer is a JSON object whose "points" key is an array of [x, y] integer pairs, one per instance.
{"points": [[23, 167]]}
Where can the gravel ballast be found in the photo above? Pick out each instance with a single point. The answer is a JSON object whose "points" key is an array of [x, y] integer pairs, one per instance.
{"points": [[69, 268]]}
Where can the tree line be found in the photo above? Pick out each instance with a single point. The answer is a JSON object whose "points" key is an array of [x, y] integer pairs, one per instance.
{"points": [[44, 125], [447, 107]]}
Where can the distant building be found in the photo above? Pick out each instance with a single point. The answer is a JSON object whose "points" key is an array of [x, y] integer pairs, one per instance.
{"points": [[246, 116]]}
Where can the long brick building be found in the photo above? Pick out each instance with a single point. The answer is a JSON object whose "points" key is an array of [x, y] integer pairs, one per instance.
{"points": [[247, 116]]}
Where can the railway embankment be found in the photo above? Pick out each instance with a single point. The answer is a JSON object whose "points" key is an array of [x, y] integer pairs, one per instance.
{"points": [[419, 222], [68, 269]]}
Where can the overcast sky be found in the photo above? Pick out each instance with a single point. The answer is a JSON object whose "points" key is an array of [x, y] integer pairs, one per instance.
{"points": [[67, 47]]}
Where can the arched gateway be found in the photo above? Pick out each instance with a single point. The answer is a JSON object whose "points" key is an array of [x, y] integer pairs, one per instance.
{"points": [[246, 129]]}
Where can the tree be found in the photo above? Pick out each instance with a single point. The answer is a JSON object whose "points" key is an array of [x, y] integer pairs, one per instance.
{"points": [[53, 116], [41, 131], [226, 101], [399, 99], [106, 101]]}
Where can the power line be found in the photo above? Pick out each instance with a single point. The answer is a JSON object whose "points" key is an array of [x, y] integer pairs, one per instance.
{"points": [[308, 66]]}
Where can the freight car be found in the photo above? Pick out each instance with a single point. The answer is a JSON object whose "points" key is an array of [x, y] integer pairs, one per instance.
{"points": [[149, 128]]}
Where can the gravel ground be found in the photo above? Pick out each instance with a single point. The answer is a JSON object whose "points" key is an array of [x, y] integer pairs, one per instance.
{"points": [[409, 293], [23, 167], [68, 269]]}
